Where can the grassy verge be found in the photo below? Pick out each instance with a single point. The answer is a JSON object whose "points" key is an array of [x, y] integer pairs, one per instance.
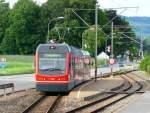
{"points": [[17, 64], [145, 64]]}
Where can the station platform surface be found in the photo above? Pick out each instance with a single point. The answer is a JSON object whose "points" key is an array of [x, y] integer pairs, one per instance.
{"points": [[141, 105], [93, 88]]}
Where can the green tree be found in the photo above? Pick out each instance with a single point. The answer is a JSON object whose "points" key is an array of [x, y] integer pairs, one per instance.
{"points": [[24, 28], [4, 18], [55, 8], [146, 46], [89, 40], [8, 45], [121, 42]]}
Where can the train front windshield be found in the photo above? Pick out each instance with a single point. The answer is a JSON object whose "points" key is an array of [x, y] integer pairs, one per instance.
{"points": [[52, 64]]}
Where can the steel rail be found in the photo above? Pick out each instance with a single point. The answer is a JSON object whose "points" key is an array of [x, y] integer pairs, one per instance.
{"points": [[51, 105], [129, 85], [32, 105], [127, 95], [51, 108]]}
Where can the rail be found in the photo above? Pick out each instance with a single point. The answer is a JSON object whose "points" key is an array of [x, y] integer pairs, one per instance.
{"points": [[129, 85], [53, 100]]}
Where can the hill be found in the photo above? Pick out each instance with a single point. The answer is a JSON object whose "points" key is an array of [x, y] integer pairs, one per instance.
{"points": [[140, 21]]}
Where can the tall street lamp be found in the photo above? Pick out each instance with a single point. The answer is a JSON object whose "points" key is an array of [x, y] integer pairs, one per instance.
{"points": [[49, 22]]}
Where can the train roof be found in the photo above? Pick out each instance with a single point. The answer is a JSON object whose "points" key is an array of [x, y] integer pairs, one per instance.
{"points": [[61, 48]]}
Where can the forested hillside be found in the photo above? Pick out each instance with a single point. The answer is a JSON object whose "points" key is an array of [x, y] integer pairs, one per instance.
{"points": [[140, 21]]}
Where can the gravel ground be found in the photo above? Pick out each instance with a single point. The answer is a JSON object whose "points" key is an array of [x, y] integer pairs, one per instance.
{"points": [[124, 103], [121, 104], [16, 103], [70, 102]]}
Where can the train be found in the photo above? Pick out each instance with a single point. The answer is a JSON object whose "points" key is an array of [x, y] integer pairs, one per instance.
{"points": [[60, 67]]}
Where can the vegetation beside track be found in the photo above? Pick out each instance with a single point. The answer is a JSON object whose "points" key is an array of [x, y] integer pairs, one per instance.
{"points": [[17, 64], [145, 64]]}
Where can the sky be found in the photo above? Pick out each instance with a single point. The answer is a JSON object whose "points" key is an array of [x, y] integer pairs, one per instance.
{"points": [[142, 10]]}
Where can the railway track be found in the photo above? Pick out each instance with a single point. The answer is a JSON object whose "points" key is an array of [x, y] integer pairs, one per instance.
{"points": [[131, 86], [44, 104], [47, 103]]}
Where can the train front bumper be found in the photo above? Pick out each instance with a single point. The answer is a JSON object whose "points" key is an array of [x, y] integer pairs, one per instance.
{"points": [[52, 87]]}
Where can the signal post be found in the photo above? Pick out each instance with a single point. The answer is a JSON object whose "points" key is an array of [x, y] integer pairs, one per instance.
{"points": [[111, 62]]}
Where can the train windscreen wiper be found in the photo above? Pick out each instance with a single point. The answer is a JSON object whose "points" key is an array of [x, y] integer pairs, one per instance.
{"points": [[52, 69]]}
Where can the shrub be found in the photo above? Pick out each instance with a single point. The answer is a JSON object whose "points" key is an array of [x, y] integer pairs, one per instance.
{"points": [[145, 63]]}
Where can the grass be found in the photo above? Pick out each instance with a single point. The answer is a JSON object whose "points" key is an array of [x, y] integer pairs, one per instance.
{"points": [[17, 64], [145, 64]]}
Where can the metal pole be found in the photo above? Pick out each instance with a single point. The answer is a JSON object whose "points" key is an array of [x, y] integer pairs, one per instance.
{"points": [[82, 41], [141, 43], [96, 22], [48, 32], [112, 47], [106, 44], [112, 43]]}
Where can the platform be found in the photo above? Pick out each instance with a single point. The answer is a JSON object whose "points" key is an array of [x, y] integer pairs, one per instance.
{"points": [[92, 88], [141, 105]]}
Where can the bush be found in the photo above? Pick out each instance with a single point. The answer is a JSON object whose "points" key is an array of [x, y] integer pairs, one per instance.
{"points": [[145, 64], [102, 62]]}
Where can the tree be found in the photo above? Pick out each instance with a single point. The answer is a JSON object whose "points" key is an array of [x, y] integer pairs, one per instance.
{"points": [[27, 26], [89, 40], [55, 8], [121, 42], [146, 45], [24, 27], [50, 10], [4, 18], [8, 45]]}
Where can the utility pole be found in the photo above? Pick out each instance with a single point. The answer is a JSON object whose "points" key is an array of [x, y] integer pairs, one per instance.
{"points": [[112, 41], [112, 47], [96, 22], [106, 45], [141, 43]]}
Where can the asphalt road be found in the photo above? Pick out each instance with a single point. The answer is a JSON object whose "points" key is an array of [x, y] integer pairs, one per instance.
{"points": [[27, 81], [21, 82]]}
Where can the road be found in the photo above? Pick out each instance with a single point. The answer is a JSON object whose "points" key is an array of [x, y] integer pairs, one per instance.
{"points": [[26, 81], [21, 82]]}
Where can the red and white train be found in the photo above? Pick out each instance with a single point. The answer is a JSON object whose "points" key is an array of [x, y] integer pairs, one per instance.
{"points": [[60, 67]]}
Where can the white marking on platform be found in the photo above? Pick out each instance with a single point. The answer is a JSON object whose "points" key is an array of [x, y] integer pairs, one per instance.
{"points": [[78, 94]]}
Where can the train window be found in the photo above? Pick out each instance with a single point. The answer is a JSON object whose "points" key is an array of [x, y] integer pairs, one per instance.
{"points": [[52, 64]]}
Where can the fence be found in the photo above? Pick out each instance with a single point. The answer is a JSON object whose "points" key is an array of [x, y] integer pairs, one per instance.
{"points": [[5, 86]]}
